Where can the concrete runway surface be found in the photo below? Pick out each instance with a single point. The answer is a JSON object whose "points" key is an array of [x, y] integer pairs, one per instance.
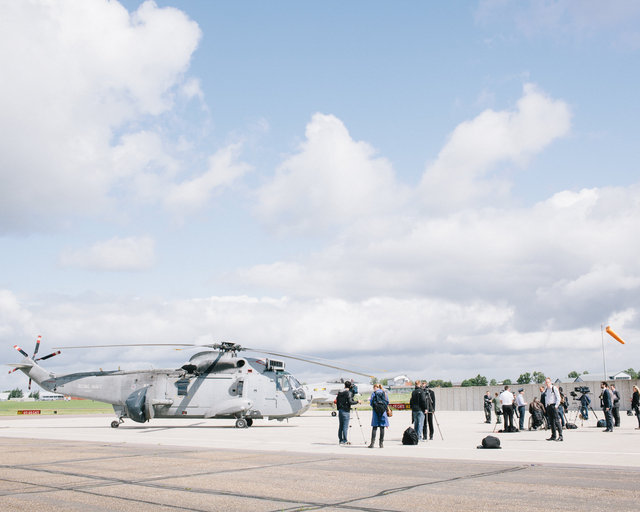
{"points": [[79, 463]]}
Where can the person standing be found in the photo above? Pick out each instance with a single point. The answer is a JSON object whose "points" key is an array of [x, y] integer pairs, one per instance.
{"points": [[635, 404], [552, 401], [522, 406], [418, 404], [607, 406], [563, 408], [430, 397], [615, 410], [506, 399], [585, 401], [379, 404], [344, 401], [487, 407], [497, 408]]}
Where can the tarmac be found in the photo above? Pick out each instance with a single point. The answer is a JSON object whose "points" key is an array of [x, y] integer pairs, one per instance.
{"points": [[66, 463]]}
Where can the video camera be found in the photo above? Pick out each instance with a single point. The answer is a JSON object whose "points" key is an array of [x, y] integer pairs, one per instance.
{"points": [[354, 389], [580, 389]]}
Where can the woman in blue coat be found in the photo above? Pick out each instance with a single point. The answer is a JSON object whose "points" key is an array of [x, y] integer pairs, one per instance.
{"points": [[379, 403]]}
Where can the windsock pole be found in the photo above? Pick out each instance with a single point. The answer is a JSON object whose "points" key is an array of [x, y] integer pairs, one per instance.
{"points": [[604, 361]]}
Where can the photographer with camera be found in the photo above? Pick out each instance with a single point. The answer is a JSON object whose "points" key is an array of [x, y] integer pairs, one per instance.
{"points": [[585, 401], [430, 410], [344, 401]]}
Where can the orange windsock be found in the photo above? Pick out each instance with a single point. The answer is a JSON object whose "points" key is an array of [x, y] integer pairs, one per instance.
{"points": [[612, 333]]}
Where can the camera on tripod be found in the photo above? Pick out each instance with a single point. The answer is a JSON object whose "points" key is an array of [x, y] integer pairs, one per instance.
{"points": [[580, 389]]}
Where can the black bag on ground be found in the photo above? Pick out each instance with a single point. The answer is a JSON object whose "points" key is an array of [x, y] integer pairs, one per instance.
{"points": [[601, 423], [490, 442], [410, 436], [571, 426]]}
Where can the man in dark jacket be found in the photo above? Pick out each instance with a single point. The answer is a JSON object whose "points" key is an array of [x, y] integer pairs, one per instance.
{"points": [[418, 405], [487, 407], [344, 401], [615, 410], [607, 406], [430, 396]]}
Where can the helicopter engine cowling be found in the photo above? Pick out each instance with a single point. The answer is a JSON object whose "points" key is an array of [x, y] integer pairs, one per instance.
{"points": [[207, 361], [135, 405]]}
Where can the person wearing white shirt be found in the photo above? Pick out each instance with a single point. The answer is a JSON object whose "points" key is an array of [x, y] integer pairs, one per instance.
{"points": [[552, 402], [506, 399], [522, 406]]}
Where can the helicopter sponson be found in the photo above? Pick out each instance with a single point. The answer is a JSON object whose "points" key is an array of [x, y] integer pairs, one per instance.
{"points": [[215, 383]]}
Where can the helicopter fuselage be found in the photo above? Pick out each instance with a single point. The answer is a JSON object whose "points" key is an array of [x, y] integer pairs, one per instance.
{"points": [[211, 385]]}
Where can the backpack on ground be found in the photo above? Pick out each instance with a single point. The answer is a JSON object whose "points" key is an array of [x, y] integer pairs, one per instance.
{"points": [[601, 423], [410, 436], [571, 426], [490, 442]]}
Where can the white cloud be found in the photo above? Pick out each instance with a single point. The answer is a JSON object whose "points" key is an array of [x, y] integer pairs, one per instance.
{"points": [[423, 337], [223, 170], [73, 74], [331, 180], [566, 18], [461, 174], [116, 254]]}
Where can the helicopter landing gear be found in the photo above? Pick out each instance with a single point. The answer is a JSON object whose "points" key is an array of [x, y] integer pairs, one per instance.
{"points": [[116, 423], [242, 423]]}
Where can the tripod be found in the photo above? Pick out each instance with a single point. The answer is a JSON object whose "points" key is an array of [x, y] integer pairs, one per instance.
{"points": [[578, 413], [498, 422]]}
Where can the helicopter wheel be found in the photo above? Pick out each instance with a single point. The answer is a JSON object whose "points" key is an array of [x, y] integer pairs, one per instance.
{"points": [[249, 422], [115, 424], [241, 423], [334, 413]]}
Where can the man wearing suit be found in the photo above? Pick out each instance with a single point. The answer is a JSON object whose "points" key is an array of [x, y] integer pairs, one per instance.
{"points": [[607, 406]]}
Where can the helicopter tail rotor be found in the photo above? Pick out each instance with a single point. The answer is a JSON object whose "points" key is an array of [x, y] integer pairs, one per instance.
{"points": [[35, 353]]}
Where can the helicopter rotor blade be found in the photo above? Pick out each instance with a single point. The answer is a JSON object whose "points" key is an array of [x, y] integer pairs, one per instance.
{"points": [[225, 346], [15, 369], [319, 360], [306, 360], [35, 351], [48, 356], [21, 351], [136, 345]]}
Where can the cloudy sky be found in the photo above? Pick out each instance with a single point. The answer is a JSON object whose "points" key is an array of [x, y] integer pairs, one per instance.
{"points": [[440, 189]]}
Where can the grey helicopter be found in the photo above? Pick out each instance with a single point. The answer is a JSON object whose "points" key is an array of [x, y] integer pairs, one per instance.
{"points": [[215, 383]]}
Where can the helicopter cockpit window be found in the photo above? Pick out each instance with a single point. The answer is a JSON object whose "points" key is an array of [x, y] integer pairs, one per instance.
{"points": [[282, 383], [294, 382], [182, 386]]}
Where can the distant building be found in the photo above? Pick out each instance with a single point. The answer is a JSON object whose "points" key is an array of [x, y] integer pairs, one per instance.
{"points": [[399, 381], [51, 396], [594, 377]]}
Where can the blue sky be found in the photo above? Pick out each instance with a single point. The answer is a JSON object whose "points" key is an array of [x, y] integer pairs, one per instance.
{"points": [[437, 189]]}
